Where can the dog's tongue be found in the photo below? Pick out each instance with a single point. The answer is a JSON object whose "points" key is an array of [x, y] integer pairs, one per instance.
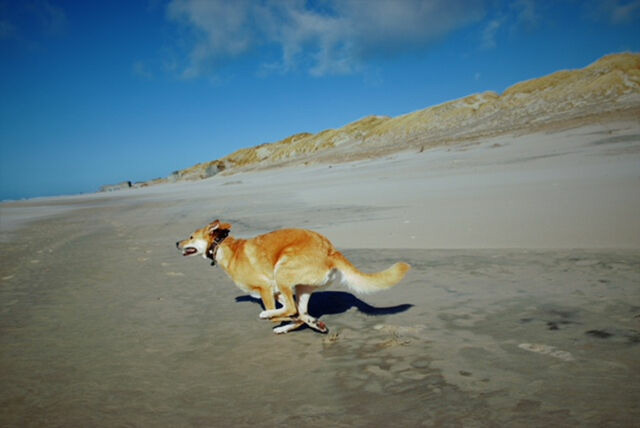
{"points": [[189, 251]]}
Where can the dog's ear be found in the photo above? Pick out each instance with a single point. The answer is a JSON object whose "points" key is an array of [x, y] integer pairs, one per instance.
{"points": [[225, 226], [216, 225], [213, 226]]}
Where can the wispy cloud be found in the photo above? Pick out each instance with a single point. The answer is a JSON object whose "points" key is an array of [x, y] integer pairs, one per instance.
{"points": [[140, 69], [615, 11], [525, 14], [490, 32], [31, 19], [52, 18], [513, 18], [322, 38]]}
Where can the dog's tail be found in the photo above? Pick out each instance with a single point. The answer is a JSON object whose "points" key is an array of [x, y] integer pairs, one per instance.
{"points": [[368, 282]]}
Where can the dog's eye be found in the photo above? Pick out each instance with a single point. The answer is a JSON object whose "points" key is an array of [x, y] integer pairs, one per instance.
{"points": [[191, 237]]}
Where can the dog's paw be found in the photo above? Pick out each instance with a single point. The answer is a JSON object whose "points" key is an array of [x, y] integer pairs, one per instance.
{"points": [[318, 326], [268, 314], [288, 327], [314, 323], [282, 329], [321, 327], [275, 315]]}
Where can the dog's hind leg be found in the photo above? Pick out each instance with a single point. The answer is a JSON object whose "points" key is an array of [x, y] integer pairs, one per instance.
{"points": [[297, 322], [288, 327], [286, 272], [303, 293]]}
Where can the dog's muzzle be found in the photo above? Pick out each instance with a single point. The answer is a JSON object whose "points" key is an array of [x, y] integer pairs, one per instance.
{"points": [[186, 251]]}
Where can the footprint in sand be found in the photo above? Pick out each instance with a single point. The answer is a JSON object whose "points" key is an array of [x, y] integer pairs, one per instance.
{"points": [[332, 337], [399, 330], [546, 350], [175, 274], [585, 263]]}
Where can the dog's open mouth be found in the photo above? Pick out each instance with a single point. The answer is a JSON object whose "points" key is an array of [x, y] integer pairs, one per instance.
{"points": [[189, 251]]}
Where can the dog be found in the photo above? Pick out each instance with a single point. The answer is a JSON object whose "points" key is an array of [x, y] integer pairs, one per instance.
{"points": [[283, 264]]}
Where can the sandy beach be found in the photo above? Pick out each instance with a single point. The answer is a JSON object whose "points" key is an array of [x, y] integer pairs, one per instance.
{"points": [[522, 307]]}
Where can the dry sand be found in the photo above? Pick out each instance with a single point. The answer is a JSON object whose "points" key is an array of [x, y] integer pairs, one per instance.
{"points": [[501, 322]]}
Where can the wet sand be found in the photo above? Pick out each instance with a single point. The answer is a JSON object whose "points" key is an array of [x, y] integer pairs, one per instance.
{"points": [[501, 322]]}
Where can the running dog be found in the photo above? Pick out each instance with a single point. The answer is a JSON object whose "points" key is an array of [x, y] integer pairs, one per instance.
{"points": [[284, 263]]}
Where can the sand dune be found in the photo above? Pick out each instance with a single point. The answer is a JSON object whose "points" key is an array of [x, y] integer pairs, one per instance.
{"points": [[608, 88]]}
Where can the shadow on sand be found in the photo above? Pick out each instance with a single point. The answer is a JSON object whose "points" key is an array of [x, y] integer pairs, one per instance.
{"points": [[337, 302]]}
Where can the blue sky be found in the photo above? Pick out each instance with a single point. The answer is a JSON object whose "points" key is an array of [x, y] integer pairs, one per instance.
{"points": [[97, 92]]}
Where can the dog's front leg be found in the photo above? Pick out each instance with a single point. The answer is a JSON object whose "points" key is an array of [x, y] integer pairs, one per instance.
{"points": [[266, 294], [283, 302]]}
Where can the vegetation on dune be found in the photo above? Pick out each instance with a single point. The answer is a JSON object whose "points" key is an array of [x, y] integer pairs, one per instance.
{"points": [[611, 84]]}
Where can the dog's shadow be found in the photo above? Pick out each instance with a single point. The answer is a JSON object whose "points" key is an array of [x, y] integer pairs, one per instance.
{"points": [[337, 302]]}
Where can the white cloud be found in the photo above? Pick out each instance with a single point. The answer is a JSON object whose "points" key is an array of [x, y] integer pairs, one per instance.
{"points": [[140, 69], [391, 26], [621, 12], [221, 28], [330, 37], [615, 12], [510, 20], [489, 33], [52, 17], [525, 13], [26, 21]]}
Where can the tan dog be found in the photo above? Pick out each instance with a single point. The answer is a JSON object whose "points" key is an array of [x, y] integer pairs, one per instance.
{"points": [[282, 264]]}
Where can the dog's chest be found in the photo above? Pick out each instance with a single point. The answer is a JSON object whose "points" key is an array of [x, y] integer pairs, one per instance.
{"points": [[244, 274]]}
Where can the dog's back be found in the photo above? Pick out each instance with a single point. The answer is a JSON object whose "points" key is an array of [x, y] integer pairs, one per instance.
{"points": [[314, 259]]}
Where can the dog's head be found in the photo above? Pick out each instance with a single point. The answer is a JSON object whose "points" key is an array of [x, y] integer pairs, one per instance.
{"points": [[202, 240]]}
